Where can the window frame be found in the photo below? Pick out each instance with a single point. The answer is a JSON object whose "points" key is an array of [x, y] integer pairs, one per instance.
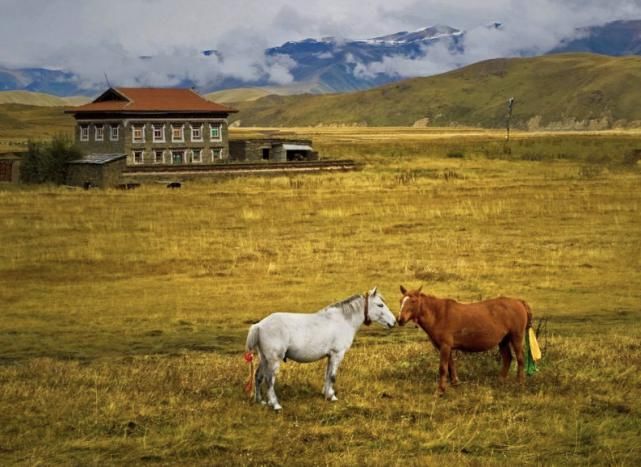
{"points": [[219, 129], [193, 156], [213, 154], [142, 156], [84, 133], [161, 127], [99, 132], [113, 127], [142, 133], [199, 128], [162, 156], [182, 133]]}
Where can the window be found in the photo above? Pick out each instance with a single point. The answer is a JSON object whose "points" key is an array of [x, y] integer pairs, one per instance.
{"points": [[214, 132], [114, 133], [216, 154], [138, 133], [138, 157], [196, 156], [159, 157], [177, 133], [196, 133], [100, 132], [84, 132], [159, 133], [177, 157]]}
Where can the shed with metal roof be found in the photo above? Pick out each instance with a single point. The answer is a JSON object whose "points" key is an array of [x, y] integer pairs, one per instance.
{"points": [[96, 170]]}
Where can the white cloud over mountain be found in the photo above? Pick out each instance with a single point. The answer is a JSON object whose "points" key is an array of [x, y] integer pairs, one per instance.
{"points": [[94, 37]]}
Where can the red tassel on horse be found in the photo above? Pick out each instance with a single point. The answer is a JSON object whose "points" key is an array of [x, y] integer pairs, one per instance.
{"points": [[249, 385]]}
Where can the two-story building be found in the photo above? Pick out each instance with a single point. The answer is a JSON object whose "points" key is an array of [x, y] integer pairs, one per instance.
{"points": [[154, 126]]}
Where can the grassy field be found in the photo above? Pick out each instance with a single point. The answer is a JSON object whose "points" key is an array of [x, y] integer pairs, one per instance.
{"points": [[124, 314]]}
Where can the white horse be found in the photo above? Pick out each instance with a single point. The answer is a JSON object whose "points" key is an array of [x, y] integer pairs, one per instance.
{"points": [[310, 337]]}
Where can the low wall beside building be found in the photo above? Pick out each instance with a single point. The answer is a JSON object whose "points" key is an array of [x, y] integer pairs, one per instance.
{"points": [[272, 150]]}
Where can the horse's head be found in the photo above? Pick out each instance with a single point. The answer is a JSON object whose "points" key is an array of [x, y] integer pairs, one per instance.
{"points": [[378, 310], [409, 305]]}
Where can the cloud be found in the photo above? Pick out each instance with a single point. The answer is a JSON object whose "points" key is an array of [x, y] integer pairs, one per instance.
{"points": [[532, 27], [91, 37], [435, 59]]}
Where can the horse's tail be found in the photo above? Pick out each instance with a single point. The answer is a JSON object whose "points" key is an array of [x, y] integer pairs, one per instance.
{"points": [[250, 347], [532, 345], [528, 310], [252, 338]]}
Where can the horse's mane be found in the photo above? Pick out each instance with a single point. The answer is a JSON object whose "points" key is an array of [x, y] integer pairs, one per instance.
{"points": [[347, 306]]}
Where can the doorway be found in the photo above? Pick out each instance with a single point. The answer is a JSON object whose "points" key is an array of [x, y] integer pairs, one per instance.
{"points": [[177, 157]]}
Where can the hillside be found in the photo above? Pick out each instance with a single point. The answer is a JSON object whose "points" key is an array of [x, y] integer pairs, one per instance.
{"points": [[565, 91], [40, 99], [237, 95]]}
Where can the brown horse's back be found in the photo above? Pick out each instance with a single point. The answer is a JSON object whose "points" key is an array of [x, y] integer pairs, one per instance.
{"points": [[476, 327]]}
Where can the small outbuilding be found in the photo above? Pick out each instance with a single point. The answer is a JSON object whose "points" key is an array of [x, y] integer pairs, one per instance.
{"points": [[10, 166], [96, 170], [272, 149]]}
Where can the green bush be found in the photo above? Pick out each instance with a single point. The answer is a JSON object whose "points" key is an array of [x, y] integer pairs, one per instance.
{"points": [[46, 162]]}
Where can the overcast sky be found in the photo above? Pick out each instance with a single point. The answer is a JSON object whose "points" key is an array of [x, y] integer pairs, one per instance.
{"points": [[90, 37]]}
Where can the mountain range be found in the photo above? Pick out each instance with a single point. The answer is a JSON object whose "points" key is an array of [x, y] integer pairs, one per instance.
{"points": [[560, 91], [331, 64]]}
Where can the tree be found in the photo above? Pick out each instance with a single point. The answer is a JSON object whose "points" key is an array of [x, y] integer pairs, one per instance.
{"points": [[46, 162]]}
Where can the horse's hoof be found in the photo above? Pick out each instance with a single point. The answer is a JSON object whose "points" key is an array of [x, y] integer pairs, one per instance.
{"points": [[277, 407], [333, 398], [456, 382], [263, 403]]}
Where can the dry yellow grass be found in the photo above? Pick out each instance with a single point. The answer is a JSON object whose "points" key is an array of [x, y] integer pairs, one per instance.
{"points": [[124, 313]]}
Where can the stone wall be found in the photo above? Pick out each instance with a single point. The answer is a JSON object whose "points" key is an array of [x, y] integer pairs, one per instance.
{"points": [[100, 175]]}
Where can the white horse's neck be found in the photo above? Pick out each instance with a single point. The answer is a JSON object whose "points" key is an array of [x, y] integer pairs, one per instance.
{"points": [[352, 312]]}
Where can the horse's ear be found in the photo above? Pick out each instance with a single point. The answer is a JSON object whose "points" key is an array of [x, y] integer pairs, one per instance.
{"points": [[420, 288], [403, 290], [373, 291]]}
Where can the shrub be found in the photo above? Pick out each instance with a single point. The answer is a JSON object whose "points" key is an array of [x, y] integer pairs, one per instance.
{"points": [[631, 158], [455, 154], [47, 162]]}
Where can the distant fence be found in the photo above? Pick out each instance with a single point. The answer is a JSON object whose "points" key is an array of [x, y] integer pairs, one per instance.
{"points": [[245, 167]]}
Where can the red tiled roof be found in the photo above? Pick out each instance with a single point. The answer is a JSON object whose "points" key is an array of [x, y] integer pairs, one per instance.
{"points": [[151, 100]]}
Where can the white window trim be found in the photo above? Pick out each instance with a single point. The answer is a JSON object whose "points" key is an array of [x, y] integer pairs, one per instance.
{"points": [[162, 157], [193, 154], [193, 127], [133, 133], [153, 133], [182, 133], [111, 132], [102, 132], [84, 133], [220, 131], [213, 154], [142, 154]]}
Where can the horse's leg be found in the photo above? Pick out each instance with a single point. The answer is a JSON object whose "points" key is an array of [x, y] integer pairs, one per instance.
{"points": [[326, 383], [260, 377], [335, 360], [443, 367], [452, 370], [517, 345], [272, 369], [504, 348]]}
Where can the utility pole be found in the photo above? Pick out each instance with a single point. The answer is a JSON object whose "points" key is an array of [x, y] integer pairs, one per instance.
{"points": [[510, 104]]}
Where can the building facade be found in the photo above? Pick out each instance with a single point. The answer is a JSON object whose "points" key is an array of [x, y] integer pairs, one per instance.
{"points": [[154, 126]]}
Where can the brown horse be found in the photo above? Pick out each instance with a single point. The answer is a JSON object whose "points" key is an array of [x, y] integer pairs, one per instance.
{"points": [[473, 327]]}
